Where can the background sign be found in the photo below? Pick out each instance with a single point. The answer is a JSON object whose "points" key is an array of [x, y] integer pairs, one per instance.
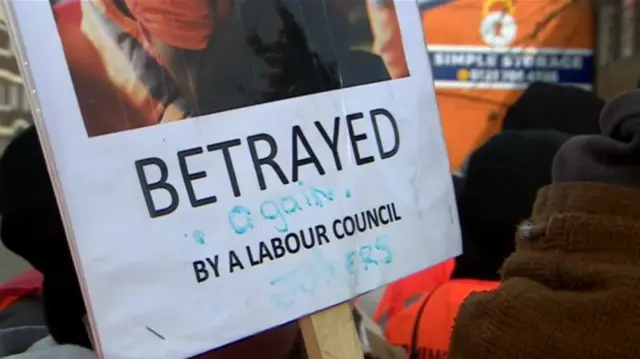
{"points": [[493, 50], [201, 212]]}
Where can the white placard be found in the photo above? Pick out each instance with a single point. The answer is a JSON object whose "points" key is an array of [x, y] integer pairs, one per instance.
{"points": [[192, 234]]}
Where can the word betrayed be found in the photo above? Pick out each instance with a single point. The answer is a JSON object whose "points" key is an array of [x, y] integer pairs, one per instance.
{"points": [[316, 147]]}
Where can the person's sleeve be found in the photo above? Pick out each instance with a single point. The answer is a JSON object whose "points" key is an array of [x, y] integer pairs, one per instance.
{"points": [[183, 24], [387, 39]]}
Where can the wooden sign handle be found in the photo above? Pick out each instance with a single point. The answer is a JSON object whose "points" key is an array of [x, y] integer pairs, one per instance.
{"points": [[331, 334]]}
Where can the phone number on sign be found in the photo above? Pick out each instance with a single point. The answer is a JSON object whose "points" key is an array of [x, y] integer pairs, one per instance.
{"points": [[509, 75]]}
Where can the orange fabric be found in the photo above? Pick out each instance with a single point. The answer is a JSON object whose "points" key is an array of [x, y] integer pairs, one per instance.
{"points": [[91, 25], [435, 324], [109, 93], [183, 24], [112, 112], [398, 295], [8, 300], [387, 39], [27, 283]]}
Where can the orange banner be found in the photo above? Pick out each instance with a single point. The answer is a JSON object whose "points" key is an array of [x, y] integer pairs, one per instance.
{"points": [[484, 53]]}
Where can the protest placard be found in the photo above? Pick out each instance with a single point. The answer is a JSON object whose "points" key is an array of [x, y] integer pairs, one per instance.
{"points": [[226, 168]]}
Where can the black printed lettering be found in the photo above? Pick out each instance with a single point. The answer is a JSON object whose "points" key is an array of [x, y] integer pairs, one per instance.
{"points": [[200, 270], [163, 197], [394, 214], [234, 262], [252, 261], [160, 184], [321, 234], [226, 153], [332, 141], [278, 247], [268, 160], [264, 252], [213, 263], [349, 226], [355, 138], [336, 225], [189, 177], [396, 133], [384, 219], [297, 162], [292, 243]]}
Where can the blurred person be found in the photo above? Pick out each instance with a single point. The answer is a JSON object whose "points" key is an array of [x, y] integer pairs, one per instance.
{"points": [[571, 288], [502, 178], [564, 108], [498, 189], [32, 227]]}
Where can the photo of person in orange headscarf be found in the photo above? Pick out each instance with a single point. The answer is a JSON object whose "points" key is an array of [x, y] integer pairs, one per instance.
{"points": [[137, 63]]}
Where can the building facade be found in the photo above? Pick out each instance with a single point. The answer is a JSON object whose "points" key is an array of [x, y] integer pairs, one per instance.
{"points": [[618, 46], [14, 103]]}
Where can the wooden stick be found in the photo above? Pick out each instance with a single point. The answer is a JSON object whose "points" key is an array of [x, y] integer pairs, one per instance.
{"points": [[331, 334]]}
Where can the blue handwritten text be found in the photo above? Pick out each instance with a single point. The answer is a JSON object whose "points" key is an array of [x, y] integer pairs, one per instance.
{"points": [[278, 211], [367, 255]]}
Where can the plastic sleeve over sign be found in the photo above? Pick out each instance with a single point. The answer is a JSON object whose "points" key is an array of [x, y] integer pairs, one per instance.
{"points": [[224, 167]]}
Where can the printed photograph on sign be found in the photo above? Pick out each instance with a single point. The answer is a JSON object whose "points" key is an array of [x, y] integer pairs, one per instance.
{"points": [[147, 62]]}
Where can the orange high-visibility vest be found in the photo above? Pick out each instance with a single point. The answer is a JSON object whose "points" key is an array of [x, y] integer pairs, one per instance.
{"points": [[134, 89], [404, 292], [424, 328]]}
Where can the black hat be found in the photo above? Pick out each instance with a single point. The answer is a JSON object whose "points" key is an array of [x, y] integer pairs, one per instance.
{"points": [[613, 156], [500, 186], [32, 228], [549, 106]]}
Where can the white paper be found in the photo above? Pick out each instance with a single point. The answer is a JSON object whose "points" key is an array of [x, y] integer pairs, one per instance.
{"points": [[146, 300]]}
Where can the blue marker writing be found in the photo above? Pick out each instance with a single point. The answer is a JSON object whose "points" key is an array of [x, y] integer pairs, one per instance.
{"points": [[365, 253], [198, 236], [368, 255], [271, 211], [382, 246], [240, 219], [304, 280], [351, 262], [279, 210]]}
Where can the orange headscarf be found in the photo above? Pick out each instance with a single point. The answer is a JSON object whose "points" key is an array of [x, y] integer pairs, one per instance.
{"points": [[184, 24]]}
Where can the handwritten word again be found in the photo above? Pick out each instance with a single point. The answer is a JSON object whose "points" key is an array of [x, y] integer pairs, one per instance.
{"points": [[278, 211], [302, 154]]}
